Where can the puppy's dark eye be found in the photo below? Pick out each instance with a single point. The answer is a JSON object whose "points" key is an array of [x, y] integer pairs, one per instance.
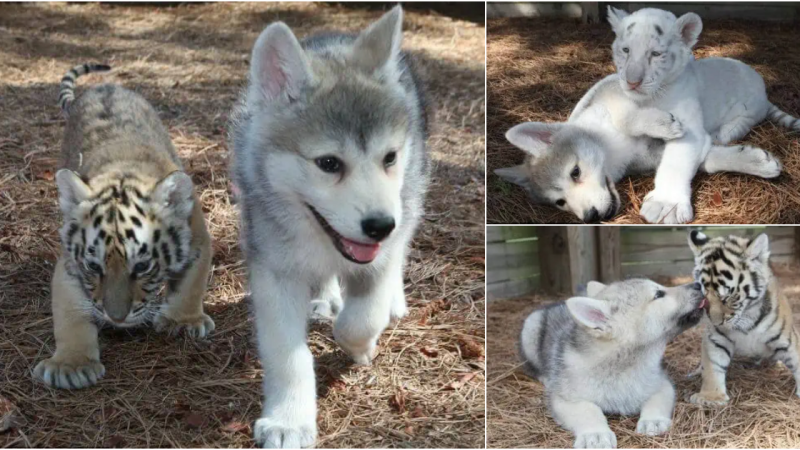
{"points": [[141, 267], [561, 202], [576, 173], [94, 267], [655, 54], [625, 49], [389, 159], [659, 294], [329, 164]]}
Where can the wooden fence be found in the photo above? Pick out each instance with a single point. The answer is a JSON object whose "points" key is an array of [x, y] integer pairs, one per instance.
{"points": [[524, 259]]}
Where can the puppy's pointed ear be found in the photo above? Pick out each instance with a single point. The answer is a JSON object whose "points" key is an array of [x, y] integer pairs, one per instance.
{"points": [[516, 174], [377, 48], [688, 28], [615, 17], [696, 241], [590, 313], [174, 194], [758, 248], [279, 68], [533, 137], [71, 190], [593, 288]]}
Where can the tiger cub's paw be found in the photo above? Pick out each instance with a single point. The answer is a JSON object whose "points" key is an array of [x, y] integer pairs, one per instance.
{"points": [[197, 327], [62, 373], [709, 398]]}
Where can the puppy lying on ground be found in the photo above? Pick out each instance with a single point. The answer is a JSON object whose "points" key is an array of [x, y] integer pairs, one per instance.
{"points": [[601, 354]]}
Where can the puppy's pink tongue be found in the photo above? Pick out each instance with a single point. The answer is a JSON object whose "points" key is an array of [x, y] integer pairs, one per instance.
{"points": [[361, 252], [703, 304]]}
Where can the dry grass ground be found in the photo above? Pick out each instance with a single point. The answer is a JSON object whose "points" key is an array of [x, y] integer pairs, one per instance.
{"points": [[538, 69], [426, 388], [763, 413]]}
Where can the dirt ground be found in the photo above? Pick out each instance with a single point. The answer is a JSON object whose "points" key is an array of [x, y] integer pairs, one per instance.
{"points": [[538, 70], [426, 387], [763, 412]]}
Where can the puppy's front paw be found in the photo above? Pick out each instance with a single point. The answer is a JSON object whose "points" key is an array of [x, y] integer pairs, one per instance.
{"points": [[64, 373], [270, 433], [663, 207], [325, 309], [709, 398], [197, 327], [399, 308], [596, 439], [653, 426]]}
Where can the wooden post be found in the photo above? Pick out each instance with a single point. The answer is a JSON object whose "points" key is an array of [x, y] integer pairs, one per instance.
{"points": [[554, 259], [567, 258], [608, 254], [583, 257], [590, 12]]}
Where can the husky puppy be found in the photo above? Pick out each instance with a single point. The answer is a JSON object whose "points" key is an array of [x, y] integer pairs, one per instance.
{"points": [[601, 354], [574, 165], [330, 158]]}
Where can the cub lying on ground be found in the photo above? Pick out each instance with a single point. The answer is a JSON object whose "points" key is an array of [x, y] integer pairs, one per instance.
{"points": [[602, 354]]}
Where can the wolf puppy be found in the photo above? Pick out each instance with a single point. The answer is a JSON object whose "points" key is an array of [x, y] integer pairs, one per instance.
{"points": [[601, 354], [132, 223], [330, 158]]}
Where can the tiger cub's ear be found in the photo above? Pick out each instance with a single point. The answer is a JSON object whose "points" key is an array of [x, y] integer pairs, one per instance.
{"points": [[758, 248], [696, 241], [71, 190]]}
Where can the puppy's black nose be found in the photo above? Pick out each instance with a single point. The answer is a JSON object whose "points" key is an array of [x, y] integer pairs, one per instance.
{"points": [[697, 287], [378, 227], [592, 216]]}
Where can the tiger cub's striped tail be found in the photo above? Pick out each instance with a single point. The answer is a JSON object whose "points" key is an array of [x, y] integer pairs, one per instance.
{"points": [[782, 118], [67, 92]]}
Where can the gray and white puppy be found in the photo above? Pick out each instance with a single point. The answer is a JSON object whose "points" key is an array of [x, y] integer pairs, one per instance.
{"points": [[601, 354], [330, 158]]}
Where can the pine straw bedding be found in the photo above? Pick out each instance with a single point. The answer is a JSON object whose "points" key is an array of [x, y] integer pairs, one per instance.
{"points": [[538, 69], [426, 387], [763, 413]]}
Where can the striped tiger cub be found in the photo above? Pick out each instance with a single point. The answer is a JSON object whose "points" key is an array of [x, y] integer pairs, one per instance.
{"points": [[746, 316], [132, 225]]}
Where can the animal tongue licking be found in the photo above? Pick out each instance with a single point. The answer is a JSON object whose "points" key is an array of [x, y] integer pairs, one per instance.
{"points": [[361, 252], [703, 304]]}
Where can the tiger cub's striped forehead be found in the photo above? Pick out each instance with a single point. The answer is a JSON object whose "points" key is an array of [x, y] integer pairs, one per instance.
{"points": [[116, 223]]}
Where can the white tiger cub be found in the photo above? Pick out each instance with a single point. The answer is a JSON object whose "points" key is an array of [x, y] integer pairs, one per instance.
{"points": [[747, 314], [720, 97]]}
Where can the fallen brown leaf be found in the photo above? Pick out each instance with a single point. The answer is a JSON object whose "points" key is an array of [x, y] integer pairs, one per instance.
{"points": [[469, 348], [717, 199], [194, 420], [429, 352]]}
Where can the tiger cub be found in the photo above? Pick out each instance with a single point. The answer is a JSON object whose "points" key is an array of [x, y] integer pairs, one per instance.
{"points": [[132, 223], [747, 316]]}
